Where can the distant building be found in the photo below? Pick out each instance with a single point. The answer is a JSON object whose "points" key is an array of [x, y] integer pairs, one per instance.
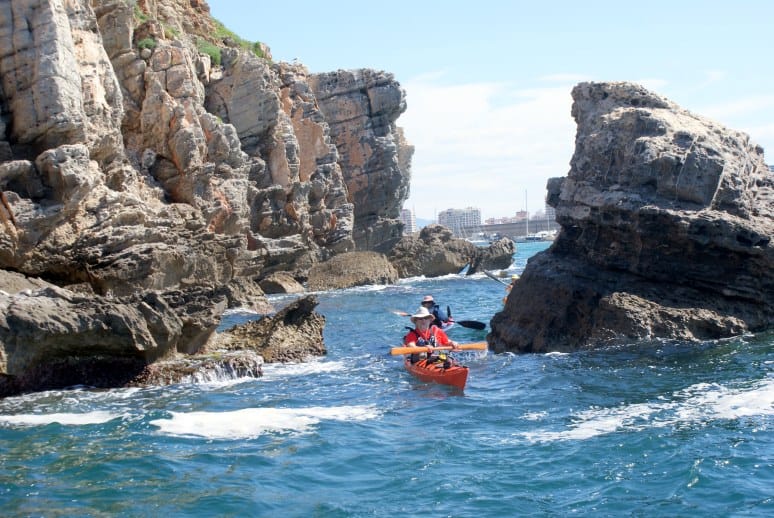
{"points": [[550, 213], [459, 219], [409, 221]]}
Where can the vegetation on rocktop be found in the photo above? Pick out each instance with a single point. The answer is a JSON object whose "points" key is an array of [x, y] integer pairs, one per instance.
{"points": [[212, 50], [222, 33], [209, 44]]}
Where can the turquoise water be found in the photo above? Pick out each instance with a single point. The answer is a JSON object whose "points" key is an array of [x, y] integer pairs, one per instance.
{"points": [[653, 429]]}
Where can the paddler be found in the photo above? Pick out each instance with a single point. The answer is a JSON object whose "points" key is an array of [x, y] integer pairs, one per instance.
{"points": [[510, 286], [440, 318], [426, 334]]}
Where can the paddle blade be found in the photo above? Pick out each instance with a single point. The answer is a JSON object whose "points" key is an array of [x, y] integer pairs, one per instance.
{"points": [[471, 324], [475, 346], [491, 276]]}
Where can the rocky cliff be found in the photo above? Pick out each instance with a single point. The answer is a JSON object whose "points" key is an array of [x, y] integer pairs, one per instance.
{"points": [[114, 155], [666, 226], [141, 148]]}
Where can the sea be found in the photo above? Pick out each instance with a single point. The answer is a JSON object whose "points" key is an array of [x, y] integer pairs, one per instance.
{"points": [[655, 428]]}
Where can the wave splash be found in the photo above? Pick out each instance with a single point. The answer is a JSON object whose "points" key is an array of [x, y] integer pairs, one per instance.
{"points": [[696, 404], [253, 422]]}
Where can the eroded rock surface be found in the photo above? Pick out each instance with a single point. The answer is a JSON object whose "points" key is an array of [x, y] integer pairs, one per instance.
{"points": [[666, 225], [135, 166], [352, 269]]}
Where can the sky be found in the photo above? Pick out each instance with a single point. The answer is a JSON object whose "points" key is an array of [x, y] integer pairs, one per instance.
{"points": [[488, 83]]}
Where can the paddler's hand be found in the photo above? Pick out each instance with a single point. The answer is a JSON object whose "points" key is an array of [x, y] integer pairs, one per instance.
{"points": [[454, 345], [429, 350]]}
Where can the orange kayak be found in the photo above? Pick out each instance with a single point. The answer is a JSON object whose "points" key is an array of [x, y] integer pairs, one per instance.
{"points": [[456, 375]]}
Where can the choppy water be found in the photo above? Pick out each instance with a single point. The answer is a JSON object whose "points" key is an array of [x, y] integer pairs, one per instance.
{"points": [[654, 429]]}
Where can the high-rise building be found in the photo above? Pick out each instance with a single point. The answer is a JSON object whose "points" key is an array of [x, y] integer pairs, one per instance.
{"points": [[409, 221], [550, 213], [460, 219]]}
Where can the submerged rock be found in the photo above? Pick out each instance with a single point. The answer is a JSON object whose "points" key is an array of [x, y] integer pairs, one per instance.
{"points": [[666, 225]]}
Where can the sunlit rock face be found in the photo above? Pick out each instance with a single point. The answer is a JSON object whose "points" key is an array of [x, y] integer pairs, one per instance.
{"points": [[361, 108], [667, 220], [140, 152]]}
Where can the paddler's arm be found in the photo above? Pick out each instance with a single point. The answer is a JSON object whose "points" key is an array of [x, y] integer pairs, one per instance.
{"points": [[414, 344]]}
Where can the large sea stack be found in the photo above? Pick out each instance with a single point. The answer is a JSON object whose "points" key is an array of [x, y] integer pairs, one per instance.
{"points": [[666, 226]]}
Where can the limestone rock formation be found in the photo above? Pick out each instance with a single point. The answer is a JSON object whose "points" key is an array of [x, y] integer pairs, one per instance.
{"points": [[433, 253], [53, 337], [361, 107], [666, 226], [280, 282], [156, 153], [142, 155], [497, 256], [351, 269], [293, 334]]}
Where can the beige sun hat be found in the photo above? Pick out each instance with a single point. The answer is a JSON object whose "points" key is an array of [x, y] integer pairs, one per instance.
{"points": [[422, 312]]}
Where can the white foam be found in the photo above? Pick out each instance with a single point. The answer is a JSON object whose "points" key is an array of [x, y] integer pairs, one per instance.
{"points": [[253, 422], [273, 371], [247, 312], [699, 403], [96, 417]]}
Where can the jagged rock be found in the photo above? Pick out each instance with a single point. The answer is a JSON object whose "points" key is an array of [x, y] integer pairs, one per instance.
{"points": [[244, 293], [497, 256], [666, 225], [58, 88], [351, 269], [201, 368], [361, 107], [280, 282], [434, 253], [287, 188], [292, 334], [12, 283], [51, 338], [126, 174]]}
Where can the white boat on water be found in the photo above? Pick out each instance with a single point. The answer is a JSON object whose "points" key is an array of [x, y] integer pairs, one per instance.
{"points": [[543, 235]]}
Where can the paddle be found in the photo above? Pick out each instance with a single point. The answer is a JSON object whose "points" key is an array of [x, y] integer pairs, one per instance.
{"points": [[476, 346], [491, 276], [470, 324]]}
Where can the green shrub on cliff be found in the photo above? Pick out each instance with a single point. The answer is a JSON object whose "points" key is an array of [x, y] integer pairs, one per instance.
{"points": [[212, 50], [146, 43], [223, 33]]}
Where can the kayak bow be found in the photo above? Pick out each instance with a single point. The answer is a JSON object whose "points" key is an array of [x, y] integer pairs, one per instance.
{"points": [[455, 375]]}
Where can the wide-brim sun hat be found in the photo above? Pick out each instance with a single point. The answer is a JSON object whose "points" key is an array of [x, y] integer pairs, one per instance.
{"points": [[421, 313], [427, 298]]}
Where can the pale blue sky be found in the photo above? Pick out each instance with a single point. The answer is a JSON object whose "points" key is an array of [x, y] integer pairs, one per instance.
{"points": [[488, 83]]}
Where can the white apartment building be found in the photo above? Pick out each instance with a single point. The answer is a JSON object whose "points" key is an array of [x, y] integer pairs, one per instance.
{"points": [[459, 219], [409, 221]]}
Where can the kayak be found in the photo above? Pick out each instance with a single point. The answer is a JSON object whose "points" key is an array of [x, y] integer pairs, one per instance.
{"points": [[456, 375]]}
